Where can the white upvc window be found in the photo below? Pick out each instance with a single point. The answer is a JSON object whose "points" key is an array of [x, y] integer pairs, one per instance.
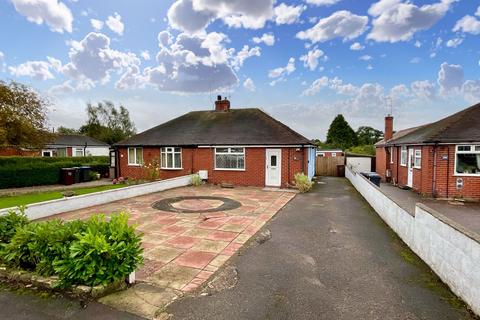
{"points": [[135, 156], [391, 154], [321, 154], [230, 159], [171, 158], [334, 154], [61, 152], [417, 159], [467, 160], [78, 152], [403, 156]]}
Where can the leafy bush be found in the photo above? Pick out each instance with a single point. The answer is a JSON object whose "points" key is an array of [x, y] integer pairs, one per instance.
{"points": [[363, 149], [9, 224], [302, 182], [91, 252], [151, 171], [32, 171], [196, 180]]}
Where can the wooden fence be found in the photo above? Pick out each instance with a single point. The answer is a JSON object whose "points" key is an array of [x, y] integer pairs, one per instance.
{"points": [[327, 166]]}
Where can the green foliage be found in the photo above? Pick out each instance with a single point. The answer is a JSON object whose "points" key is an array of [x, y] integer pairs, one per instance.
{"points": [[23, 116], [32, 171], [107, 123], [340, 134], [91, 252], [363, 149], [9, 224], [196, 180], [368, 135], [151, 171], [67, 131], [302, 182]]}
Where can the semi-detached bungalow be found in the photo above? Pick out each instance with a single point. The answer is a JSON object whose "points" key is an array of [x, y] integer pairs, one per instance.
{"points": [[237, 146], [440, 159]]}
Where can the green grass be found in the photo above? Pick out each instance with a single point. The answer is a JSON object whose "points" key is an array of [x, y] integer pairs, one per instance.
{"points": [[29, 198]]}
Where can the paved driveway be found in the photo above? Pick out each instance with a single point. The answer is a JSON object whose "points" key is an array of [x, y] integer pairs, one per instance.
{"points": [[330, 257]]}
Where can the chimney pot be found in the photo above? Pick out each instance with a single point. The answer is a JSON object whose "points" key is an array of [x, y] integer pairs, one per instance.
{"points": [[222, 105], [388, 134], [219, 98]]}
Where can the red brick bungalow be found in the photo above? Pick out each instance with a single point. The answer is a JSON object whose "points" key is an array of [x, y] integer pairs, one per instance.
{"points": [[238, 146], [441, 159]]}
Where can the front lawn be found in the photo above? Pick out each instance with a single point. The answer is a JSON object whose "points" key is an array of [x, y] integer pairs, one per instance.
{"points": [[29, 198]]}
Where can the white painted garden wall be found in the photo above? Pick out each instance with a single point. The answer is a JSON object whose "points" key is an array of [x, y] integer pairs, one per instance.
{"points": [[450, 250], [52, 207]]}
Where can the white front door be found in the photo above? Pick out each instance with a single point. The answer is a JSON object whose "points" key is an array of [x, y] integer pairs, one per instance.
{"points": [[273, 167], [410, 167]]}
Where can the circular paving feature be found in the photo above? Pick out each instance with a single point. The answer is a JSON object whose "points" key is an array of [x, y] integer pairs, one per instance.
{"points": [[196, 204]]}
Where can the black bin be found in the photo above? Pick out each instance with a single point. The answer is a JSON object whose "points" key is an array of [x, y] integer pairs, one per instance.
{"points": [[373, 177], [340, 170], [67, 176], [85, 173], [76, 175]]}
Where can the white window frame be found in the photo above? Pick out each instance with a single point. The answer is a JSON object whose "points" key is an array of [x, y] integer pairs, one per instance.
{"points": [[334, 154], [417, 155], [321, 154], [391, 154], [229, 152], [50, 152], [170, 150], [472, 150], [134, 162], [404, 156], [74, 152]]}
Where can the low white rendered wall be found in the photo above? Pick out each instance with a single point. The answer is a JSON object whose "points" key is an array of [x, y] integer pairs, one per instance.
{"points": [[360, 164], [52, 207], [449, 249]]}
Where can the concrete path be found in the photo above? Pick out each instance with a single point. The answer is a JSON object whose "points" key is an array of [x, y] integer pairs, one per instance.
{"points": [[330, 257]]}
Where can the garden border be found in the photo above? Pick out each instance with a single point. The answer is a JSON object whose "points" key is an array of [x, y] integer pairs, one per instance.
{"points": [[48, 208]]}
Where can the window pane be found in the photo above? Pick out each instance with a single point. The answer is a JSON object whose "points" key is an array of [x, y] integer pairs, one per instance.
{"points": [[273, 161], [139, 156], [464, 148], [477, 148], [178, 160], [468, 163], [164, 160], [236, 150], [131, 155], [222, 150], [169, 160], [177, 149]]}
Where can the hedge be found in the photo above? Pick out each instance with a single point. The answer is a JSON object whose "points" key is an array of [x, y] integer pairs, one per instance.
{"points": [[29, 171]]}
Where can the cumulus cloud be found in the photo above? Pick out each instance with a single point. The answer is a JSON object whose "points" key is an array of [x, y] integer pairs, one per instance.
{"points": [[96, 24], [316, 86], [283, 71], [115, 23], [194, 16], [267, 38], [455, 42], [323, 2], [423, 89], [145, 55], [471, 91], [55, 14], [39, 70], [61, 89], [356, 46], [468, 24], [285, 14], [243, 54], [365, 57], [450, 78], [341, 24], [397, 20], [249, 85], [310, 60], [3, 64]]}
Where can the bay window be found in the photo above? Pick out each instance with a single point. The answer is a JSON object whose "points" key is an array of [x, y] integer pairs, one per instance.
{"points": [[135, 156], [467, 160], [171, 158], [230, 158]]}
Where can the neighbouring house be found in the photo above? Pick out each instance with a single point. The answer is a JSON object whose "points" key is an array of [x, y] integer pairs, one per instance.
{"points": [[237, 146], [329, 153], [440, 159], [66, 145], [14, 151]]}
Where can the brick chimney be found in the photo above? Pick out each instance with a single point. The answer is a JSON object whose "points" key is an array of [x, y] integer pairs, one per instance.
{"points": [[222, 105], [388, 134]]}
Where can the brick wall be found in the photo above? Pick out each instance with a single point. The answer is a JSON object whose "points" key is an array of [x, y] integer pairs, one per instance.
{"points": [[381, 162], [194, 159]]}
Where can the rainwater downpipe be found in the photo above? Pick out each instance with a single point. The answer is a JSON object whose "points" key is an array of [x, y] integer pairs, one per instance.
{"points": [[434, 182]]}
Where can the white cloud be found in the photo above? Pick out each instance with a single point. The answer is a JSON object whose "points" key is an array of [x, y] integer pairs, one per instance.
{"points": [[339, 87], [365, 57], [323, 2], [145, 55], [316, 86], [455, 42], [477, 13], [39, 70], [423, 89], [64, 88], [356, 46], [310, 60], [417, 44], [450, 78], [164, 39], [53, 13], [267, 38], [397, 20], [3, 64], [468, 24], [115, 23], [285, 14], [243, 54], [471, 91], [249, 85], [283, 71], [341, 24], [96, 24], [194, 16]]}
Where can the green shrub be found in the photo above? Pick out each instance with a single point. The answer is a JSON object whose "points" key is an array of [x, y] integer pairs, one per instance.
{"points": [[302, 182], [9, 224], [196, 180]]}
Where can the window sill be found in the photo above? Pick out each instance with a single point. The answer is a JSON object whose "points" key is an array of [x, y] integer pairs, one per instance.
{"points": [[134, 165], [221, 169], [467, 175], [403, 165], [418, 168], [171, 169]]}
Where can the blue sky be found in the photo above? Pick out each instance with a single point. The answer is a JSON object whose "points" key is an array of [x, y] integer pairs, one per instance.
{"points": [[301, 61]]}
